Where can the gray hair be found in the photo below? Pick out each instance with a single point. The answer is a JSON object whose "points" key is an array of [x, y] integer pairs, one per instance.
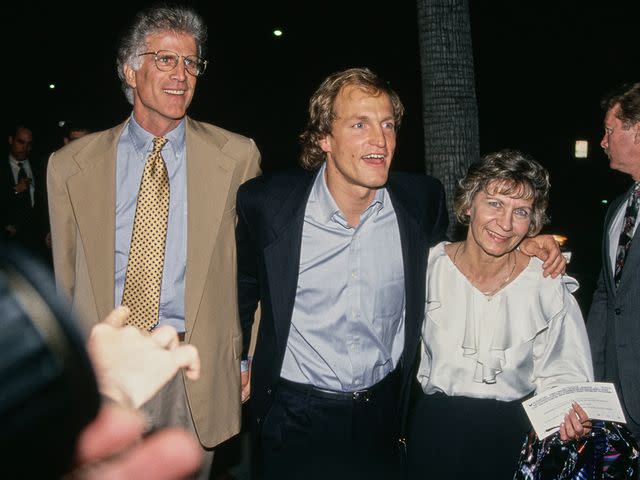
{"points": [[152, 21], [514, 174]]}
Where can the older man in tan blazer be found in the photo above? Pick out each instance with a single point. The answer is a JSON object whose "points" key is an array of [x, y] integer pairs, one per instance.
{"points": [[94, 203]]}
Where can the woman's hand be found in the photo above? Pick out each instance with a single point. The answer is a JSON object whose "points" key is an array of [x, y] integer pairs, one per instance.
{"points": [[576, 423]]}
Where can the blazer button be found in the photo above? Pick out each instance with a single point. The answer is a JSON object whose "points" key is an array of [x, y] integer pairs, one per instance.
{"points": [[269, 391], [618, 311]]}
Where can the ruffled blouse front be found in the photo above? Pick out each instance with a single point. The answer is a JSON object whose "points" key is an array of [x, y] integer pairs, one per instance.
{"points": [[527, 337]]}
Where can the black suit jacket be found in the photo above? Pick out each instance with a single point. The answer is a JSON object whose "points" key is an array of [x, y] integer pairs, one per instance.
{"points": [[613, 323], [30, 222], [269, 233]]}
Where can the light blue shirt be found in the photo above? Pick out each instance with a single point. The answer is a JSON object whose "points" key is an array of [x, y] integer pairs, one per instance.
{"points": [[347, 327], [134, 147]]}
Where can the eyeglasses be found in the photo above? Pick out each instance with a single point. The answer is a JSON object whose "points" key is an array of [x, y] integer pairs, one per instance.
{"points": [[166, 60]]}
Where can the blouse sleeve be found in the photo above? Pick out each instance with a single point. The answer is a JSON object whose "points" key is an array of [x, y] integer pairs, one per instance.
{"points": [[561, 353]]}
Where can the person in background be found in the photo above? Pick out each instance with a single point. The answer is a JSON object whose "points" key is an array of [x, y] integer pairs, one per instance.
{"points": [[143, 215], [495, 332], [336, 257], [612, 323], [23, 196], [73, 131]]}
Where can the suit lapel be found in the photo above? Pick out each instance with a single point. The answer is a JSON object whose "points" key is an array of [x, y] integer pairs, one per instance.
{"points": [[282, 276], [7, 174], [413, 252], [92, 194], [208, 179]]}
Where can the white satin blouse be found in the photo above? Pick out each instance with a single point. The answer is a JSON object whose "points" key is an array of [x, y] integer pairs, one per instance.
{"points": [[529, 336]]}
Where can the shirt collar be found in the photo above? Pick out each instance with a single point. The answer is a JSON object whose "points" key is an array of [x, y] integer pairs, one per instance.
{"points": [[326, 206], [142, 140], [16, 163]]}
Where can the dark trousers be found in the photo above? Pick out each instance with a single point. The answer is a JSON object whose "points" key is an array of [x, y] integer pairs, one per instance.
{"points": [[460, 438], [310, 434]]}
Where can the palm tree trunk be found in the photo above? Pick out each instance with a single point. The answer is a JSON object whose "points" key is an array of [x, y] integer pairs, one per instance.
{"points": [[450, 113]]}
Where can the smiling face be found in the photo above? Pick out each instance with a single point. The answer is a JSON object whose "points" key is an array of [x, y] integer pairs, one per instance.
{"points": [[622, 145], [161, 99], [498, 222], [361, 144]]}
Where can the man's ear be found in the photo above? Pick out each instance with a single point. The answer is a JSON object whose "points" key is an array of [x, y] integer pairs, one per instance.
{"points": [[325, 143], [129, 75]]}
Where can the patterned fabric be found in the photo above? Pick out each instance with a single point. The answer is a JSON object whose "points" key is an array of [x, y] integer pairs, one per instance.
{"points": [[627, 231], [608, 452], [146, 254]]}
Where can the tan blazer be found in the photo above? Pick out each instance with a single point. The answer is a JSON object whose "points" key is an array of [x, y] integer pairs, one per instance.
{"points": [[81, 178]]}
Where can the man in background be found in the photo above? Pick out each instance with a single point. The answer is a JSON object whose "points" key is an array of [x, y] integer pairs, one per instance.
{"points": [[73, 131], [613, 323], [23, 196]]}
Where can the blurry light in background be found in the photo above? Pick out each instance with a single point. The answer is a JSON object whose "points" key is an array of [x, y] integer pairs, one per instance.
{"points": [[52, 86], [61, 123], [582, 149], [604, 202], [277, 32], [561, 239]]}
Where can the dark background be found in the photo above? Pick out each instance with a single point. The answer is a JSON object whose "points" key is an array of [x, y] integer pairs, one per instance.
{"points": [[541, 68]]}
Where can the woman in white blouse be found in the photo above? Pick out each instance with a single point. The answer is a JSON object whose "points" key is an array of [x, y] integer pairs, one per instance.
{"points": [[495, 331]]}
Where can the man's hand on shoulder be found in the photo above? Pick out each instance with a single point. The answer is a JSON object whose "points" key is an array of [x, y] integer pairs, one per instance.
{"points": [[546, 249]]}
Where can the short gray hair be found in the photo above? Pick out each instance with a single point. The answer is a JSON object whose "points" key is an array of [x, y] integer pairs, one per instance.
{"points": [[515, 174], [152, 21]]}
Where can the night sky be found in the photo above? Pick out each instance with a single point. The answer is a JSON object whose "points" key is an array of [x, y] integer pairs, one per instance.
{"points": [[541, 68]]}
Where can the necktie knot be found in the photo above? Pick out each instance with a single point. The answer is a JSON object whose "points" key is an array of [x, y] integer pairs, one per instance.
{"points": [[158, 143]]}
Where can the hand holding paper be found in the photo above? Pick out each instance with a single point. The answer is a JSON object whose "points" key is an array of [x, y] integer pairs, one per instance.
{"points": [[546, 410]]}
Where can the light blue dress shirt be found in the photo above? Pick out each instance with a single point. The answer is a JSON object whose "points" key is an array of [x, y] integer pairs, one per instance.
{"points": [[347, 327], [134, 147]]}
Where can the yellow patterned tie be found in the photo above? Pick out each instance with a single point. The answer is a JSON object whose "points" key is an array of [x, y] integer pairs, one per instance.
{"points": [[146, 255]]}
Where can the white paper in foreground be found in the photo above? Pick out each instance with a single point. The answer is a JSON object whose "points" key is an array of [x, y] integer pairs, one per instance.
{"points": [[547, 409]]}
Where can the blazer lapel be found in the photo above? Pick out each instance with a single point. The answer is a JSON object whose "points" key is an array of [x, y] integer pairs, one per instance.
{"points": [[282, 276], [92, 194], [208, 181], [413, 253]]}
